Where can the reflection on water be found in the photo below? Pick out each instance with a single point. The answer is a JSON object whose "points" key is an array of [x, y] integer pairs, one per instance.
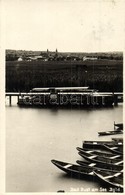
{"points": [[35, 136]]}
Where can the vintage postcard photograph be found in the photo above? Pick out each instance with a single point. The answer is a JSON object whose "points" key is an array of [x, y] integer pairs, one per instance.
{"points": [[63, 96]]}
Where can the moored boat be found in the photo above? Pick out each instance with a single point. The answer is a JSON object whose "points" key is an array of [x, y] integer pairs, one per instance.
{"points": [[74, 170], [119, 126], [114, 180], [102, 160], [100, 166], [117, 149], [99, 153], [100, 144], [119, 139], [110, 132], [66, 96]]}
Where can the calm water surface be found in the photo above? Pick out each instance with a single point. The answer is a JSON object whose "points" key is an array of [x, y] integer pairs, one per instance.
{"points": [[35, 136]]}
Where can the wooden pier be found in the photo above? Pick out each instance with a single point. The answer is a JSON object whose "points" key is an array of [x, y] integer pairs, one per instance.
{"points": [[118, 96]]}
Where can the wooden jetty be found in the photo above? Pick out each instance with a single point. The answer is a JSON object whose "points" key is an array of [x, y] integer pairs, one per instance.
{"points": [[117, 96]]}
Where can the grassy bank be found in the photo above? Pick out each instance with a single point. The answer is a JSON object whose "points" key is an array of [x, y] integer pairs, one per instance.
{"points": [[104, 75]]}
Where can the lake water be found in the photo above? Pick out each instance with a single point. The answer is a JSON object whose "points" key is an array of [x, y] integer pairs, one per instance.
{"points": [[36, 136]]}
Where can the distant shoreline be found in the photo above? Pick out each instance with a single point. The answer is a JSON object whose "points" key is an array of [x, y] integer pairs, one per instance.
{"points": [[118, 55]]}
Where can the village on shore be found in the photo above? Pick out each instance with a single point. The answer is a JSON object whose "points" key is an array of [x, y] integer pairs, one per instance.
{"points": [[22, 55]]}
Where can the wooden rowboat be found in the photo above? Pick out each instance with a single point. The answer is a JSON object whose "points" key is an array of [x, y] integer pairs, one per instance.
{"points": [[102, 160], [114, 180], [119, 139], [115, 149], [74, 170], [99, 166], [110, 132], [100, 144], [100, 153]]}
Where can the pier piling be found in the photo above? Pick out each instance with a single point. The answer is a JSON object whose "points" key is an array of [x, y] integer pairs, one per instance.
{"points": [[115, 100], [10, 100], [18, 98]]}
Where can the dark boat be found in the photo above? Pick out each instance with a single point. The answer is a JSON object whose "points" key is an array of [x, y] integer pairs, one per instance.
{"points": [[102, 160], [74, 170], [100, 153], [100, 144], [119, 126], [110, 132], [114, 180], [100, 166], [115, 149], [62, 191], [63, 96], [119, 139]]}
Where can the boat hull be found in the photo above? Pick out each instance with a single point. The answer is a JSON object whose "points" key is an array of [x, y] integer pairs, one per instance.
{"points": [[114, 180], [101, 160], [100, 153], [105, 133], [67, 99], [114, 149], [100, 166], [74, 170], [100, 144]]}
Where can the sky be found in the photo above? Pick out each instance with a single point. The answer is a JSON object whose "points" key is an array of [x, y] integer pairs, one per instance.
{"points": [[68, 25]]}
